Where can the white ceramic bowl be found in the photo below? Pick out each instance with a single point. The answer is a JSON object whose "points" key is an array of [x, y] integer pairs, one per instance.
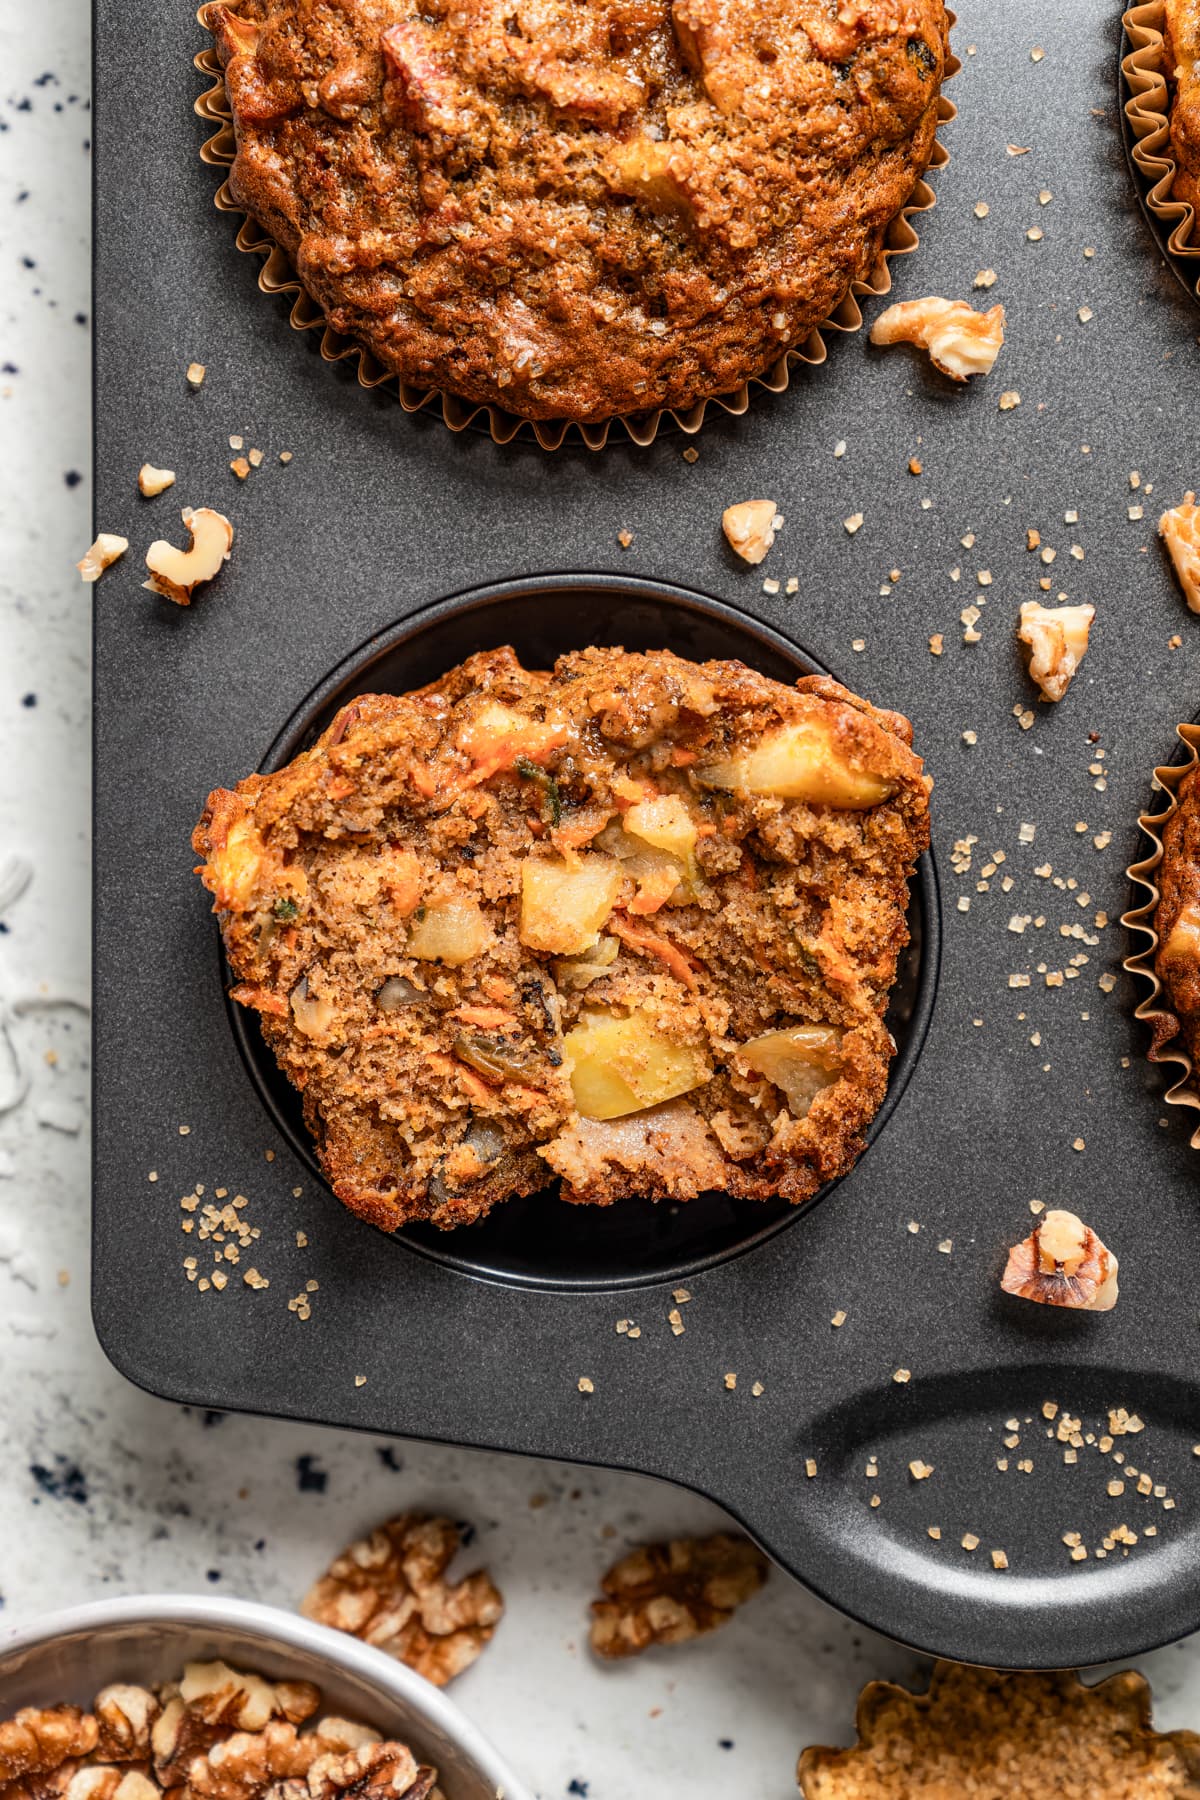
{"points": [[148, 1638]]}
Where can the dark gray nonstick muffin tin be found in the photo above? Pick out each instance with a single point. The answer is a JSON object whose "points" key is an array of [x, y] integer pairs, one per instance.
{"points": [[1002, 1095]]}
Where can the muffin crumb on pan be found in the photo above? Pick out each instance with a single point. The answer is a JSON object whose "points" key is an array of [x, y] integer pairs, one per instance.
{"points": [[582, 213], [633, 922]]}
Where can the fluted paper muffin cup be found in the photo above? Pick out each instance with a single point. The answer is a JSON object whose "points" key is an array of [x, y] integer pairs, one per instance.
{"points": [[1148, 110], [277, 275], [1184, 1088]]}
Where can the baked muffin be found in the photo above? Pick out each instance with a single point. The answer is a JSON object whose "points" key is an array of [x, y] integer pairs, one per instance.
{"points": [[1181, 60], [1176, 1018], [574, 209], [633, 922]]}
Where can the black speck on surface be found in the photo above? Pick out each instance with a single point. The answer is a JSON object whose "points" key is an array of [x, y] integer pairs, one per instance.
{"points": [[23, 195], [724, 1743], [45, 78], [72, 478], [212, 1574], [81, 318], [65, 1481], [310, 1479], [211, 1418], [28, 699], [388, 1458], [575, 1786], [260, 1543], [27, 262], [9, 368], [466, 1532]]}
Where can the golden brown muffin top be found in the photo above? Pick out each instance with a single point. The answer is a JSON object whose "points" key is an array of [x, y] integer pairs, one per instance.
{"points": [[579, 207]]}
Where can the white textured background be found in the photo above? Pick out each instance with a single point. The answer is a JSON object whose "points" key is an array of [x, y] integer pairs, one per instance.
{"points": [[104, 1490]]}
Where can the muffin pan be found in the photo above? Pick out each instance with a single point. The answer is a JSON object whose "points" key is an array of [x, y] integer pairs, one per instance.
{"points": [[380, 514]]}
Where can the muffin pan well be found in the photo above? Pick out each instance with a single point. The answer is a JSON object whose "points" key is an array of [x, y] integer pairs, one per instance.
{"points": [[1024, 1090]]}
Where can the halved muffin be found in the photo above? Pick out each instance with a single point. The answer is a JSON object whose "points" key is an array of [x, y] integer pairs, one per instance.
{"points": [[633, 922]]}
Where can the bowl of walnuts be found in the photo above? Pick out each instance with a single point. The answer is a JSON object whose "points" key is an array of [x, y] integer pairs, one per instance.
{"points": [[226, 1700]]}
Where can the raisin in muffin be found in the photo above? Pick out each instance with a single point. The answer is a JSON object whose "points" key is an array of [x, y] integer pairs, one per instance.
{"points": [[1181, 61], [1176, 1018], [633, 923], [574, 209]]}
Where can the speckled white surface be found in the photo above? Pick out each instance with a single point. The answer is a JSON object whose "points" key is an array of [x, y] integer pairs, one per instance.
{"points": [[105, 1490]]}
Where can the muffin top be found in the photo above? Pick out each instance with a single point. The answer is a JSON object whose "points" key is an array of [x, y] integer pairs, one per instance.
{"points": [[579, 208]]}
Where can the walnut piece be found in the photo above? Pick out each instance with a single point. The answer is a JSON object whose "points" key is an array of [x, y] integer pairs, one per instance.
{"points": [[1179, 529], [101, 555], [385, 1770], [36, 1740], [960, 341], [175, 574], [240, 1766], [390, 1590], [1057, 637], [212, 1700], [153, 481], [1063, 1263], [103, 1781], [668, 1593], [125, 1715], [750, 527]]}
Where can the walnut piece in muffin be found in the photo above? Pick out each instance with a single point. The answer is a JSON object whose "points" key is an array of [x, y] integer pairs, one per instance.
{"points": [[633, 922], [579, 208]]}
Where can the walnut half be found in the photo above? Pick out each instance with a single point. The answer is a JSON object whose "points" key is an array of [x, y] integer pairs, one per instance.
{"points": [[390, 1590], [960, 341], [39, 1739], [1063, 1263], [669, 1593], [1057, 638]]}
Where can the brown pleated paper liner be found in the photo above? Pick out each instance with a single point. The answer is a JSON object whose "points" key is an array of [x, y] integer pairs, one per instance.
{"points": [[278, 276], [1149, 113], [1185, 1087]]}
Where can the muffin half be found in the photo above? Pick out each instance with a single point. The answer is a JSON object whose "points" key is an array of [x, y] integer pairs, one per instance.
{"points": [[633, 922]]}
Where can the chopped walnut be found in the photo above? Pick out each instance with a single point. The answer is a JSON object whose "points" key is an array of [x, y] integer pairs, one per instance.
{"points": [[211, 1701], [1057, 637], [238, 1767], [1063, 1263], [750, 528], [176, 574], [960, 341], [224, 1696], [107, 549], [125, 1715], [152, 481], [1179, 529], [385, 1770], [36, 1740], [390, 1590], [102, 1781], [668, 1593]]}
